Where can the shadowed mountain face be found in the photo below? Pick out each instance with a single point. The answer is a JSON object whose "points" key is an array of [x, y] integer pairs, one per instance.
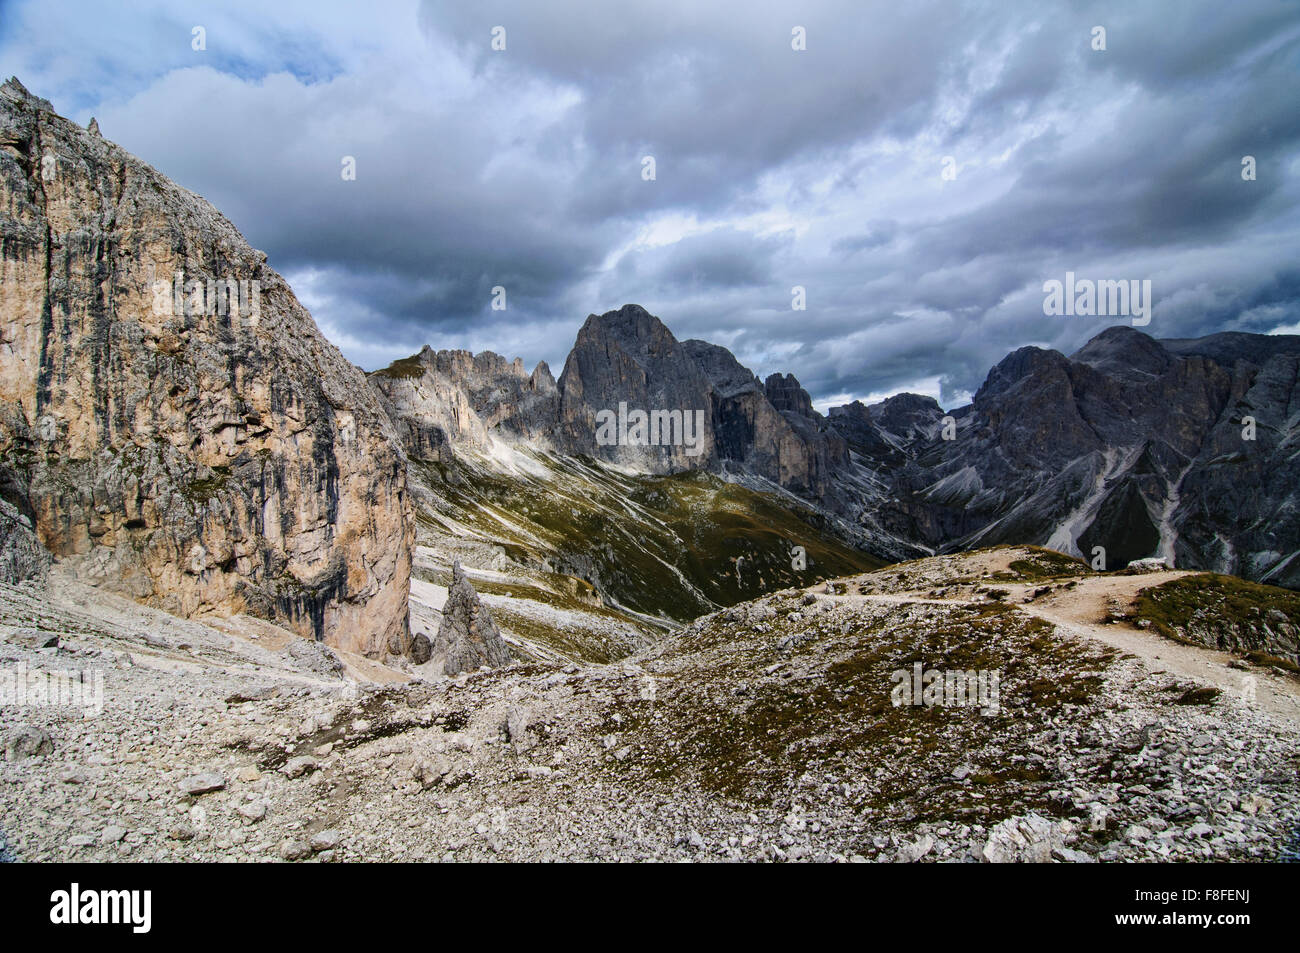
{"points": [[627, 362], [1183, 449]]}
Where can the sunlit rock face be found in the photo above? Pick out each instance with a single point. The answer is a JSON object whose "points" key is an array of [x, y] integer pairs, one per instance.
{"points": [[170, 414]]}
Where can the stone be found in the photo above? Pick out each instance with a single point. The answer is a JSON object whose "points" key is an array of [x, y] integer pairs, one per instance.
{"points": [[1026, 839], [203, 782], [1150, 564], [1070, 856], [437, 398], [33, 638], [297, 767], [467, 638], [294, 849], [325, 840], [515, 728], [316, 657], [181, 830], [28, 742], [914, 851], [253, 811]]}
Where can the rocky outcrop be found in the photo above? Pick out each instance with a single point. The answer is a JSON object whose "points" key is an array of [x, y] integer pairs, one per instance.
{"points": [[627, 362], [429, 413], [22, 557], [508, 399], [467, 638], [770, 430], [184, 433], [439, 399], [785, 393]]}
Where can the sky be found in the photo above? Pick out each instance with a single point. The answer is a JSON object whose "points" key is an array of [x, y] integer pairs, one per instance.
{"points": [[918, 169]]}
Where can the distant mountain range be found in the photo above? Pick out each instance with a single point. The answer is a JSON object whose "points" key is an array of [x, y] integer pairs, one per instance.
{"points": [[1130, 448]]}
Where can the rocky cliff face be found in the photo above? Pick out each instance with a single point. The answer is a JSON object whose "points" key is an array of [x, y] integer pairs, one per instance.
{"points": [[768, 429], [627, 362], [438, 399], [170, 414], [22, 557]]}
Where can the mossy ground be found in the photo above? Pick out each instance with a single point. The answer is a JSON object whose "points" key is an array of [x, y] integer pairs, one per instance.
{"points": [[737, 715]]}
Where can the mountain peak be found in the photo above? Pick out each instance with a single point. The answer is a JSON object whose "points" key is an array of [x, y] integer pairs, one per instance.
{"points": [[1018, 365], [785, 393], [1124, 352], [727, 375], [629, 324], [15, 91]]}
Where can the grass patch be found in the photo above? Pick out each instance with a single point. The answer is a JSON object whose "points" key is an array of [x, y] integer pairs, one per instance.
{"points": [[1256, 621], [406, 367]]}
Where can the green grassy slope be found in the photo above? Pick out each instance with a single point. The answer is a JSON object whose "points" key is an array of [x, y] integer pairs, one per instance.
{"points": [[664, 547]]}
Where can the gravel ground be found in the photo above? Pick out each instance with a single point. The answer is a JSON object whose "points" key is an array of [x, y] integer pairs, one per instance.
{"points": [[766, 732]]}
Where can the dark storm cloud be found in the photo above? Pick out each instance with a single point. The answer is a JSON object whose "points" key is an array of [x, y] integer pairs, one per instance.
{"points": [[820, 169]]}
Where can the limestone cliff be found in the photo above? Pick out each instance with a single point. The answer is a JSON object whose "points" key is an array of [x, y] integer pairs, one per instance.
{"points": [[437, 399], [169, 412]]}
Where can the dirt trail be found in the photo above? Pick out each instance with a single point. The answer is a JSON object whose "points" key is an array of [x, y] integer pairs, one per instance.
{"points": [[1084, 611]]}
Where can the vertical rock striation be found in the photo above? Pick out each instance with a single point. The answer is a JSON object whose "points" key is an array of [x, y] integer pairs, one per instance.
{"points": [[195, 444]]}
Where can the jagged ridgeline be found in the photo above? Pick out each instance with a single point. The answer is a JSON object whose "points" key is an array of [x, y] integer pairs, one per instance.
{"points": [[541, 473], [1182, 449]]}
